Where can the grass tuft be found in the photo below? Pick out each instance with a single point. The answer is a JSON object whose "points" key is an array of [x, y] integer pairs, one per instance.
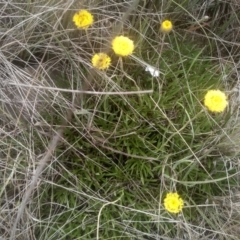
{"points": [[91, 154]]}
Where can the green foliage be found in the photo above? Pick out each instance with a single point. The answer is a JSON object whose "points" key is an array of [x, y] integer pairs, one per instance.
{"points": [[136, 143], [120, 153]]}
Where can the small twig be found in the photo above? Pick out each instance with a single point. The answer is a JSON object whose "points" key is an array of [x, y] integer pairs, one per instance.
{"points": [[130, 155], [100, 211], [82, 91]]}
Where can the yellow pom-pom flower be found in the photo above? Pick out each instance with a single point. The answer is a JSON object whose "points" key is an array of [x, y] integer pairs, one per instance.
{"points": [[101, 61], [173, 203], [83, 19], [215, 101], [122, 46], [166, 26]]}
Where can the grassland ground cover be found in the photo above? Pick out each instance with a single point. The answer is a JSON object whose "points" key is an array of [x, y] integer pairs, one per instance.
{"points": [[107, 131]]}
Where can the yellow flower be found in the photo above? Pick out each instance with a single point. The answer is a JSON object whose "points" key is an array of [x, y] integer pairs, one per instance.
{"points": [[166, 26], [173, 203], [215, 100], [101, 61], [83, 19], [122, 46]]}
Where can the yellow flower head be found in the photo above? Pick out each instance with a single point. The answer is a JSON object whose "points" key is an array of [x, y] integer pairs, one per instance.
{"points": [[173, 203], [166, 26], [215, 100], [83, 19], [101, 61], [122, 46]]}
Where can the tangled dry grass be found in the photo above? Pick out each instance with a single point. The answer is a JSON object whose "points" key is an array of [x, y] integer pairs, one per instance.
{"points": [[97, 165]]}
